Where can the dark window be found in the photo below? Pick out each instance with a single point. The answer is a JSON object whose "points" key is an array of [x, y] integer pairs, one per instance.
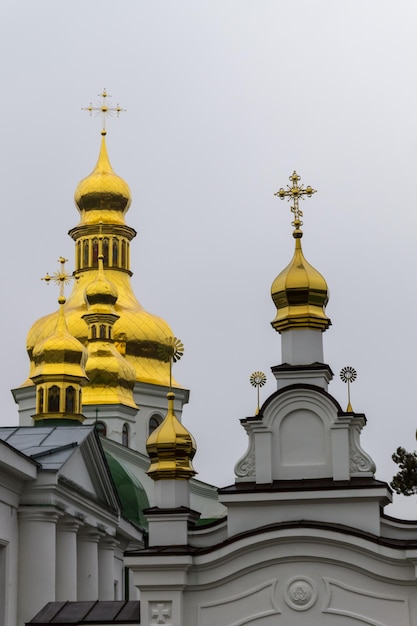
{"points": [[102, 331], [154, 422], [115, 252], [105, 252], [53, 399], [70, 400], [95, 252], [101, 428], [94, 332], [125, 435], [85, 260], [40, 400]]}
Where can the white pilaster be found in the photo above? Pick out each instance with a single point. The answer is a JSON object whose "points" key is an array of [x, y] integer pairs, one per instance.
{"points": [[66, 559], [87, 564], [161, 587], [106, 573], [170, 494], [37, 560]]}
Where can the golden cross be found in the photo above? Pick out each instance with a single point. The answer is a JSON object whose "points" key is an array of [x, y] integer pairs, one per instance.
{"points": [[104, 108], [61, 278], [294, 193]]}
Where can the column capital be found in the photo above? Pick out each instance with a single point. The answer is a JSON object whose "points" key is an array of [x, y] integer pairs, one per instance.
{"points": [[89, 533], [39, 514], [69, 524]]}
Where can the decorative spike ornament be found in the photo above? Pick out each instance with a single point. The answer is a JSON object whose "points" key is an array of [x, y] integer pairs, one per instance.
{"points": [[348, 375], [257, 379]]}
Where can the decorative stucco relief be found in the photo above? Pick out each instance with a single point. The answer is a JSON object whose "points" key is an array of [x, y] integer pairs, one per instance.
{"points": [[365, 605], [241, 609], [359, 462], [246, 466]]}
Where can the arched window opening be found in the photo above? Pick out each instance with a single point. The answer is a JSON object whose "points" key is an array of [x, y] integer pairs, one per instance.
{"points": [[125, 435], [105, 252], [124, 254], [70, 400], [102, 331], [115, 252], [95, 252], [53, 399], [40, 400], [94, 332], [101, 429], [154, 422], [85, 259]]}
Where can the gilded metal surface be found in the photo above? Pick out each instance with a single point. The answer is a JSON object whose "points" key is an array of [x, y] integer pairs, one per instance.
{"points": [[299, 292], [137, 334], [103, 196], [60, 353], [111, 377], [348, 375], [104, 108], [60, 277], [171, 448], [295, 193]]}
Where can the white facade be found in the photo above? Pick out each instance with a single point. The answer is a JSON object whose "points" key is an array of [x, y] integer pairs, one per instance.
{"points": [[61, 535], [305, 542]]}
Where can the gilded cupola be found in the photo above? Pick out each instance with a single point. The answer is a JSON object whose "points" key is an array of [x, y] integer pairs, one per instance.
{"points": [[171, 447], [299, 292], [59, 363], [103, 199], [111, 377], [103, 196]]}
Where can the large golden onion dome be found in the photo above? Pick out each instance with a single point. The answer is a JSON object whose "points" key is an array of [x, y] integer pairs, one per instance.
{"points": [[300, 294], [171, 448], [103, 198]]}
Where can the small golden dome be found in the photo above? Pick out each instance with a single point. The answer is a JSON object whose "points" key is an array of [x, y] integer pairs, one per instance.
{"points": [[60, 353], [300, 294], [101, 292], [111, 377], [102, 196], [171, 448]]}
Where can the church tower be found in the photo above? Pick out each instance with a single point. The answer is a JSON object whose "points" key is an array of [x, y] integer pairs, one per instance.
{"points": [[102, 199]]}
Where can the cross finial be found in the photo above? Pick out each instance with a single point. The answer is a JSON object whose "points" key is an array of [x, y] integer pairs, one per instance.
{"points": [[294, 193], [104, 108], [61, 278]]}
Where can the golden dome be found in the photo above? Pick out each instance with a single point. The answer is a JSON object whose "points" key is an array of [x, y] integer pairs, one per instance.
{"points": [[102, 196], [111, 377], [101, 293], [171, 448], [137, 334], [60, 354], [300, 294]]}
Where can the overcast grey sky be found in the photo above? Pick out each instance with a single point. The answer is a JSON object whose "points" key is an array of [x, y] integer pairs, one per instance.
{"points": [[224, 99]]}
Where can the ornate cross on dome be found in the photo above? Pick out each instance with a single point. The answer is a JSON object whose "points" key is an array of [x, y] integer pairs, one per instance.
{"points": [[294, 193], [104, 108], [61, 278]]}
